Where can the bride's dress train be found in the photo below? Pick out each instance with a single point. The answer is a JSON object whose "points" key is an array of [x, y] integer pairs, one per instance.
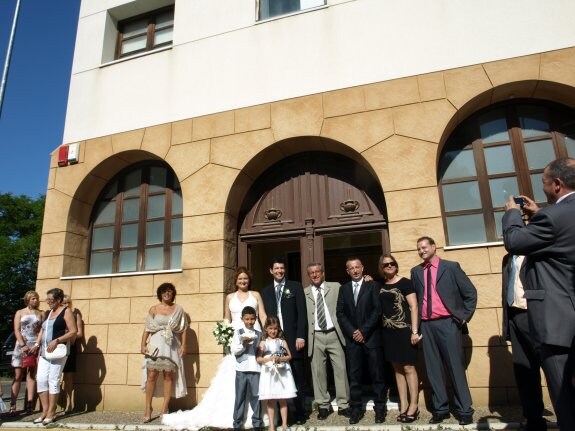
{"points": [[216, 409], [217, 406]]}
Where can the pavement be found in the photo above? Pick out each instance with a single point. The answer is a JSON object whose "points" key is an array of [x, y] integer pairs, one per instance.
{"points": [[486, 418], [508, 417]]}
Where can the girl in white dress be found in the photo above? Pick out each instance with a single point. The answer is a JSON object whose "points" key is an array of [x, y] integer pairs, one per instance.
{"points": [[216, 409], [276, 379]]}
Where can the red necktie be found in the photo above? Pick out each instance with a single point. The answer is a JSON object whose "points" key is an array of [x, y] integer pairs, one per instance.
{"points": [[429, 282]]}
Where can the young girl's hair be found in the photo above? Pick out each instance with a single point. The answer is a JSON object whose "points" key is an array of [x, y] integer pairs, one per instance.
{"points": [[273, 321]]}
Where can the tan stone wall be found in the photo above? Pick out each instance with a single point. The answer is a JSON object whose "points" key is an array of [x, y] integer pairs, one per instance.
{"points": [[395, 129]]}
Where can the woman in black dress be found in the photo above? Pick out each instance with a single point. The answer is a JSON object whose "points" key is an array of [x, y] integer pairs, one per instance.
{"points": [[400, 335]]}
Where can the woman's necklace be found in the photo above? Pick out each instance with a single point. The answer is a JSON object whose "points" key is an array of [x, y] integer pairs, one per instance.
{"points": [[392, 280]]}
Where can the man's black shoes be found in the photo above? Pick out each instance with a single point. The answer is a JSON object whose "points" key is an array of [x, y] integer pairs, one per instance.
{"points": [[355, 416], [437, 418], [380, 416], [539, 424], [323, 414], [344, 412], [465, 419]]}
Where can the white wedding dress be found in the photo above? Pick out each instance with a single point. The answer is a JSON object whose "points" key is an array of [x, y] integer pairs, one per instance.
{"points": [[216, 408]]}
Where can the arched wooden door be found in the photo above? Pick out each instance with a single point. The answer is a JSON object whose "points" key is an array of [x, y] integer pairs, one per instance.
{"points": [[312, 207]]}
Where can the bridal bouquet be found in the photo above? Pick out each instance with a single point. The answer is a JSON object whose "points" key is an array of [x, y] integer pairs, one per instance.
{"points": [[223, 333]]}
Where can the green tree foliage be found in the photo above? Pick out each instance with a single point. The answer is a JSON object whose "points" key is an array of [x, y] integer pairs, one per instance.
{"points": [[20, 231]]}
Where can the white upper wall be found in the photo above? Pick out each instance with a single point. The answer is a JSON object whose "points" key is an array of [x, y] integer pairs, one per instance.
{"points": [[223, 59]]}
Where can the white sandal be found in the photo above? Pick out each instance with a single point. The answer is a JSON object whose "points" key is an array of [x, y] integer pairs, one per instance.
{"points": [[38, 420]]}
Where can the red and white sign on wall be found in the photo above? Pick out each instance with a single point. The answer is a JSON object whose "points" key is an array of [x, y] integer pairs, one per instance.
{"points": [[68, 154]]}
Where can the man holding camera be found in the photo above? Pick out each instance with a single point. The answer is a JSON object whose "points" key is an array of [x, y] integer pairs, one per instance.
{"points": [[548, 242]]}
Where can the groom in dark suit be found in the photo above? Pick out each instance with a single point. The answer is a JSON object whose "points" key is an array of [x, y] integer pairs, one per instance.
{"points": [[285, 299], [359, 315], [447, 300], [548, 242]]}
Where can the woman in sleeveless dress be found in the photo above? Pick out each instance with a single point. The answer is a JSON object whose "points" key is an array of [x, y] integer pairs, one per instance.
{"points": [[164, 347], [217, 405], [27, 324], [400, 335]]}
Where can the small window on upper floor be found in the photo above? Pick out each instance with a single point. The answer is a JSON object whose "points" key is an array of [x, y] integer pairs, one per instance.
{"points": [[271, 8], [145, 32]]}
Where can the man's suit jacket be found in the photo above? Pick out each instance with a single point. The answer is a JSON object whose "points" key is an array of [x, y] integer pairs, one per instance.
{"points": [[453, 287], [365, 316], [330, 297], [548, 243], [293, 312]]}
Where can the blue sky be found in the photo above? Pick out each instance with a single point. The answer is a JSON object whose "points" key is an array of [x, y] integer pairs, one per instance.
{"points": [[36, 93]]}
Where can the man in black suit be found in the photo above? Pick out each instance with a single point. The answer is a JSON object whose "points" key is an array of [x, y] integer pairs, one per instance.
{"points": [[526, 363], [285, 299], [548, 242], [447, 300], [359, 314]]}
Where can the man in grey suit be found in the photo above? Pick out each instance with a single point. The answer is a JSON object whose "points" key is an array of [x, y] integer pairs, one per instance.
{"points": [[524, 350], [447, 300], [548, 242], [325, 340]]}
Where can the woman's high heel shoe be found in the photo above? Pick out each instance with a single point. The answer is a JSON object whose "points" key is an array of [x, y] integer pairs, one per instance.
{"points": [[401, 416], [38, 420], [411, 418]]}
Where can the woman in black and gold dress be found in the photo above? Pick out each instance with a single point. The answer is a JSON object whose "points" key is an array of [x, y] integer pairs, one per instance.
{"points": [[400, 335]]}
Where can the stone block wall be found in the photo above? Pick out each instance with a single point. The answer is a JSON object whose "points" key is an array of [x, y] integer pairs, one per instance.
{"points": [[395, 129]]}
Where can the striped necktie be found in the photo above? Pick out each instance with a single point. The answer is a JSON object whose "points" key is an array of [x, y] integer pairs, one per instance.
{"points": [[320, 309]]}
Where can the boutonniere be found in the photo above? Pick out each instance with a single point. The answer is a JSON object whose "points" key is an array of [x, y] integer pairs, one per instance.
{"points": [[287, 293]]}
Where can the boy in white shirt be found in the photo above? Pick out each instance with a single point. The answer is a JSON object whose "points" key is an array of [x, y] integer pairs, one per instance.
{"points": [[244, 346]]}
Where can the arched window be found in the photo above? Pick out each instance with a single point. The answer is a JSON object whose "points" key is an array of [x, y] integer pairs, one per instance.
{"points": [[497, 152], [137, 222]]}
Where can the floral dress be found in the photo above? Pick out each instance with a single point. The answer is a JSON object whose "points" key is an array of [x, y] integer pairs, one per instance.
{"points": [[30, 326]]}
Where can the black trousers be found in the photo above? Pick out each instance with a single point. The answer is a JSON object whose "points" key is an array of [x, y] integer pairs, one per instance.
{"points": [[298, 371], [355, 360], [526, 364], [558, 363]]}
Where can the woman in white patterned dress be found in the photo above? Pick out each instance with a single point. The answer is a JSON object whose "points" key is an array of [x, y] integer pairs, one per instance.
{"points": [[27, 325], [217, 405]]}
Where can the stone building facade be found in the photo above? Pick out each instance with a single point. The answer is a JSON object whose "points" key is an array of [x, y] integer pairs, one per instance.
{"points": [[232, 164]]}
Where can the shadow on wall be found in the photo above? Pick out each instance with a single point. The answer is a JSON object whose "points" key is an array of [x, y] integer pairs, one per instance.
{"points": [[92, 370], [193, 373]]}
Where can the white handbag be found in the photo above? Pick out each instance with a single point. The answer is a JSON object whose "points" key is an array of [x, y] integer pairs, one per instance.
{"points": [[59, 352]]}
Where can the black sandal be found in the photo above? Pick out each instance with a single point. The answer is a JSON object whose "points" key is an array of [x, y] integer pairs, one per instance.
{"points": [[29, 407], [401, 416], [410, 418], [12, 411]]}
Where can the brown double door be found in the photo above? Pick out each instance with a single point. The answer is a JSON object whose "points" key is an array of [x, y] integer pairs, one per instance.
{"points": [[313, 207]]}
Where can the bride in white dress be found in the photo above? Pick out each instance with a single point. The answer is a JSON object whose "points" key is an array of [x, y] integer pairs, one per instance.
{"points": [[217, 405]]}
